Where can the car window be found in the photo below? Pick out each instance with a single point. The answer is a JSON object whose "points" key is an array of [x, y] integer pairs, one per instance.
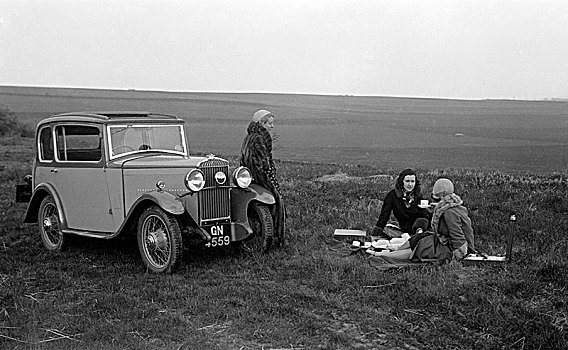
{"points": [[78, 143], [45, 145], [137, 138]]}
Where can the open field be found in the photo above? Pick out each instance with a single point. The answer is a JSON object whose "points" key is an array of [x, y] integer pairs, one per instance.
{"points": [[98, 296], [519, 136]]}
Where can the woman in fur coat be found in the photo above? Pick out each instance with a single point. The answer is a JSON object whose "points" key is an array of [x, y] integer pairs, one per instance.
{"points": [[256, 155]]}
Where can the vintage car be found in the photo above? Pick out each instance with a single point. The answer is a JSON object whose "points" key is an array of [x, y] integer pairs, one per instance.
{"points": [[112, 173]]}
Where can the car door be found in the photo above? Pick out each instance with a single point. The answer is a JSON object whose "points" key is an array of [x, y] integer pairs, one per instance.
{"points": [[80, 178], [44, 164]]}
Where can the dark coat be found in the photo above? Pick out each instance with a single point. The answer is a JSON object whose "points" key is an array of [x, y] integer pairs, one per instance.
{"points": [[456, 231], [454, 239], [256, 155], [393, 203]]}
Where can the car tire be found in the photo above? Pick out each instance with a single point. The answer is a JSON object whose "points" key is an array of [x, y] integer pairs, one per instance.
{"points": [[159, 240], [260, 220], [50, 226]]}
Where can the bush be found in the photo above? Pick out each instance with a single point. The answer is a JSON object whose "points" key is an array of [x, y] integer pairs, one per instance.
{"points": [[11, 126]]}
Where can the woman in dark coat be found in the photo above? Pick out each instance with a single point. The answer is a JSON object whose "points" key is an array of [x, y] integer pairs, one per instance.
{"points": [[256, 155], [403, 202]]}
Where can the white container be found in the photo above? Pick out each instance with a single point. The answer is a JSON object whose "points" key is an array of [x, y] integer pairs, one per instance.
{"points": [[381, 242], [395, 246]]}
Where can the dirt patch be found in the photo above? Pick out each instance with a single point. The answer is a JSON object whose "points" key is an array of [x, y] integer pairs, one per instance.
{"points": [[343, 177]]}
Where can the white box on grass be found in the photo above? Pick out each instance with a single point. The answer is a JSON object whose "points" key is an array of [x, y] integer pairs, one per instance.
{"points": [[480, 260], [349, 235]]}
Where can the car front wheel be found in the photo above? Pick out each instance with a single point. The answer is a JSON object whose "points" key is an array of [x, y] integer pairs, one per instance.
{"points": [[159, 240], [50, 226], [260, 221]]}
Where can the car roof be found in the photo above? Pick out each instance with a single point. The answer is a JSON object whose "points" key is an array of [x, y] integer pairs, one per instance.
{"points": [[114, 117]]}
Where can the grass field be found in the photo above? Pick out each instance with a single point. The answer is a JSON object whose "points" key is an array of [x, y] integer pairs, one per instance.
{"points": [[304, 296]]}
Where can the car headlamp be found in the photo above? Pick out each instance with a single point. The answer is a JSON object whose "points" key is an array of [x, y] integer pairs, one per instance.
{"points": [[242, 177], [194, 180]]}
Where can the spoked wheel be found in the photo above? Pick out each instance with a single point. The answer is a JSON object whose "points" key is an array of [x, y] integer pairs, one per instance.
{"points": [[50, 226], [159, 240], [260, 221]]}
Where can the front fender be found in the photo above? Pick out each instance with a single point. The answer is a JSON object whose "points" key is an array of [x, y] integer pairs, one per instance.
{"points": [[39, 193], [240, 199], [253, 192], [167, 201]]}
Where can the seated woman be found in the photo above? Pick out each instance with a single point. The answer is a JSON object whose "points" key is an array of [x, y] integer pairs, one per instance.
{"points": [[403, 202], [451, 237]]}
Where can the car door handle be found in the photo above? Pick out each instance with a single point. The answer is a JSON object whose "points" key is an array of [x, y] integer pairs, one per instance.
{"points": [[53, 170]]}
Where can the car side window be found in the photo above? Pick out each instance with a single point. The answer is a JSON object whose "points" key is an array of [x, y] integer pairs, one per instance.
{"points": [[78, 143], [45, 145]]}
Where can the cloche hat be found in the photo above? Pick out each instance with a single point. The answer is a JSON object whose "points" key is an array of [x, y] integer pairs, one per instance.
{"points": [[257, 116], [442, 187]]}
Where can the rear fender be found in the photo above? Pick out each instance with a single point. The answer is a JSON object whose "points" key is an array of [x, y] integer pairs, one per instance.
{"points": [[40, 192]]}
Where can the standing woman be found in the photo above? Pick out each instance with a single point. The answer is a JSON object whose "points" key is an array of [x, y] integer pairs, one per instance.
{"points": [[403, 202], [256, 155]]}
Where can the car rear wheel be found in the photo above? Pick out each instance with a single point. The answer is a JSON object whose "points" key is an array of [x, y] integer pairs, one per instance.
{"points": [[260, 221], [50, 226], [159, 240]]}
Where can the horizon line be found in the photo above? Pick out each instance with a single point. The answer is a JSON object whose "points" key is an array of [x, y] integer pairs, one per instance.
{"points": [[549, 99]]}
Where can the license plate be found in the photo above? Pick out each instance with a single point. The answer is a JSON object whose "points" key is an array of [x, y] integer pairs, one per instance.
{"points": [[220, 235]]}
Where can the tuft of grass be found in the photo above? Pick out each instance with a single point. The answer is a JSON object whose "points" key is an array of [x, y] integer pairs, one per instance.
{"points": [[11, 126]]}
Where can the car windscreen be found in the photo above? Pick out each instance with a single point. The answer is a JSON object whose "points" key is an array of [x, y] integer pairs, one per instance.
{"points": [[134, 138]]}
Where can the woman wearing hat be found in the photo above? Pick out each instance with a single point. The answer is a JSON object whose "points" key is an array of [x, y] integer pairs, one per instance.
{"points": [[451, 225], [403, 202], [256, 155]]}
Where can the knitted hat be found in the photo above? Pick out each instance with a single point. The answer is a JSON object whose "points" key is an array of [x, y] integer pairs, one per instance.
{"points": [[442, 187], [257, 116]]}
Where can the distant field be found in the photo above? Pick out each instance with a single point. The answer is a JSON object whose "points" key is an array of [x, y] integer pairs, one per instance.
{"points": [[518, 136]]}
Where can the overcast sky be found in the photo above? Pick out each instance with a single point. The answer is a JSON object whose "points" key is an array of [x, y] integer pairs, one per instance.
{"points": [[455, 49]]}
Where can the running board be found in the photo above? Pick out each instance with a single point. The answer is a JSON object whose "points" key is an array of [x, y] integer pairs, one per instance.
{"points": [[101, 235]]}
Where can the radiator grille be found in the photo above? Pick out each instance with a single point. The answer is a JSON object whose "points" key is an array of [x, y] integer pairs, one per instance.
{"points": [[214, 198]]}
